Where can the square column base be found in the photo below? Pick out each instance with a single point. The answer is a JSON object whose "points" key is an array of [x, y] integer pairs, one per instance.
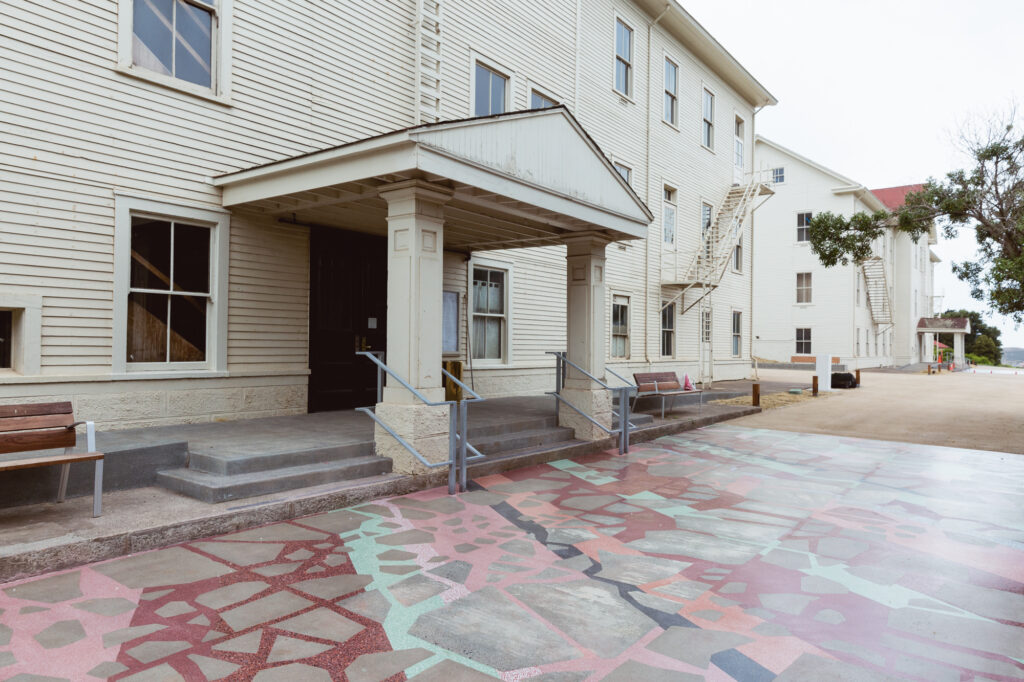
{"points": [[596, 403], [424, 427]]}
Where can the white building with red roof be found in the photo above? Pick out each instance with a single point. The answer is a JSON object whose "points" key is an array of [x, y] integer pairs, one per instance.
{"points": [[862, 315]]}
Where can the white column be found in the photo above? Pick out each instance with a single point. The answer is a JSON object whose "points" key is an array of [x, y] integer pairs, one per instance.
{"points": [[415, 267], [958, 350], [586, 336]]}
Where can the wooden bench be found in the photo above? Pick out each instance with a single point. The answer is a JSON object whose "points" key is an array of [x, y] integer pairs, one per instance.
{"points": [[662, 385], [42, 426]]}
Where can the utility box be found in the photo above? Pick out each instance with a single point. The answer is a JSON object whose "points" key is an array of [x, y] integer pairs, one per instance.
{"points": [[823, 368], [452, 391]]}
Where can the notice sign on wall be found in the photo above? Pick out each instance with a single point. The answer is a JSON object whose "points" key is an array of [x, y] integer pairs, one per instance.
{"points": [[450, 323]]}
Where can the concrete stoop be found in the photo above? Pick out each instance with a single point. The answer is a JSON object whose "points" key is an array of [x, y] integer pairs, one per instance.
{"points": [[541, 445], [213, 477]]}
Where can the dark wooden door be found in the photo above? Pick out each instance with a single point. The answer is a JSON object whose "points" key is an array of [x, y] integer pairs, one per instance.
{"points": [[348, 312]]}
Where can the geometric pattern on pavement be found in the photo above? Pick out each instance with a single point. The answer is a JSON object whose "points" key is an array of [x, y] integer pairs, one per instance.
{"points": [[723, 553]]}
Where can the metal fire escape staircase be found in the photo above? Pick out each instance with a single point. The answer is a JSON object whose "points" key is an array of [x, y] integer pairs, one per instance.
{"points": [[877, 291], [704, 271]]}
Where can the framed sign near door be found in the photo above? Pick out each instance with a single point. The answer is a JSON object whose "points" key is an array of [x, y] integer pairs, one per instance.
{"points": [[450, 323]]}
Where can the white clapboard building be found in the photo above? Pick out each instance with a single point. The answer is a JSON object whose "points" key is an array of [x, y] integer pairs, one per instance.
{"points": [[862, 315], [208, 206]]}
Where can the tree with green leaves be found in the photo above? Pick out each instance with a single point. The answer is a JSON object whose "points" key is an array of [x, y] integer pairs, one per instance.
{"points": [[978, 328], [986, 347], [988, 198]]}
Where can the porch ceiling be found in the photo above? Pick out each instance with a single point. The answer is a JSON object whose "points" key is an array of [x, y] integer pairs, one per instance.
{"points": [[522, 179]]}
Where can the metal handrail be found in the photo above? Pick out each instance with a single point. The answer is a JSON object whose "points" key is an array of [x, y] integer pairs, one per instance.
{"points": [[401, 441], [623, 391], [583, 414], [391, 373], [619, 376], [561, 354], [458, 418]]}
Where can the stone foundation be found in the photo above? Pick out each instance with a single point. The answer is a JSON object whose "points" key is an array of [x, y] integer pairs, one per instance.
{"points": [[115, 405], [596, 403], [424, 427]]}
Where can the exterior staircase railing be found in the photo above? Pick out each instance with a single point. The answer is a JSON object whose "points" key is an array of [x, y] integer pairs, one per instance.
{"points": [[562, 364], [877, 288], [458, 419]]}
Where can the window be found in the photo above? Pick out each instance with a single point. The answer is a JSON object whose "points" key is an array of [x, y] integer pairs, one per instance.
{"points": [[668, 216], [778, 175], [620, 326], [803, 287], [803, 226], [737, 257], [489, 317], [671, 92], [803, 341], [541, 101], [708, 126], [705, 330], [6, 338], [623, 58], [490, 91], [668, 329], [858, 288], [176, 40], [738, 155], [856, 351], [737, 332], [168, 291], [706, 214], [625, 171]]}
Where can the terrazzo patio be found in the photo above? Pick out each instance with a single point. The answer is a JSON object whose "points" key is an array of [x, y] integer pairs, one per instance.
{"points": [[723, 553]]}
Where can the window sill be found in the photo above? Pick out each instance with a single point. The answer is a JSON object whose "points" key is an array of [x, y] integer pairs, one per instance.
{"points": [[707, 148], [141, 375], [673, 126], [802, 305], [175, 84], [626, 99]]}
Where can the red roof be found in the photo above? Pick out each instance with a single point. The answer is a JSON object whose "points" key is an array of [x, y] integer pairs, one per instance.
{"points": [[893, 197]]}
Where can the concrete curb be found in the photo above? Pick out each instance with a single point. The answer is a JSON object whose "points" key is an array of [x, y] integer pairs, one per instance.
{"points": [[77, 553]]}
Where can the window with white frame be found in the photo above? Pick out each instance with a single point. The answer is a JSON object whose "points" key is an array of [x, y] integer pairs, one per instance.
{"points": [[671, 112], [623, 58], [170, 287], [737, 332], [778, 175], [705, 330], [803, 341], [668, 215], [176, 39], [668, 329], [490, 317], [706, 216], [856, 351], [624, 171], [708, 119], [803, 226], [738, 148], [539, 100], [737, 256], [803, 287], [168, 291], [490, 91], [620, 326]]}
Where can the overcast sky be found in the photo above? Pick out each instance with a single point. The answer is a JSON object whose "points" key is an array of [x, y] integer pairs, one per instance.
{"points": [[876, 90]]}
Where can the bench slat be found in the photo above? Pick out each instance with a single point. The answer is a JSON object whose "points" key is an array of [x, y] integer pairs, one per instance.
{"points": [[34, 409], [43, 421], [30, 462], [22, 441]]}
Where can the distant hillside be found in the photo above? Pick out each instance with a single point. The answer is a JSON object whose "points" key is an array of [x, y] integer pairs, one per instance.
{"points": [[1011, 356]]}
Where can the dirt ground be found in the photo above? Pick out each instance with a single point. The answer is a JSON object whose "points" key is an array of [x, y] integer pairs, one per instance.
{"points": [[979, 411]]}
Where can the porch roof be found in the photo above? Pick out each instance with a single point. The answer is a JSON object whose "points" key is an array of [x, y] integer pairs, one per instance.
{"points": [[527, 178]]}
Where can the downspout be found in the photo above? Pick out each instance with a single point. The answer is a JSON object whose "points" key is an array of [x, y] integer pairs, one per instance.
{"points": [[753, 169], [647, 195]]}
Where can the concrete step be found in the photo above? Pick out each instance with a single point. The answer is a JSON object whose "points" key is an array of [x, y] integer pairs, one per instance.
{"points": [[210, 461], [519, 440], [210, 487], [528, 423]]}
